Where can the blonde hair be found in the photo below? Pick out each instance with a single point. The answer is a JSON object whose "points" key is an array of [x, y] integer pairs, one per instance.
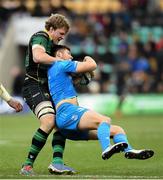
{"points": [[57, 21]]}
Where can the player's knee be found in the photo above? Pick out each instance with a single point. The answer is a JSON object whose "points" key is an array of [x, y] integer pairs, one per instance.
{"points": [[47, 123], [118, 130], [107, 120], [104, 120]]}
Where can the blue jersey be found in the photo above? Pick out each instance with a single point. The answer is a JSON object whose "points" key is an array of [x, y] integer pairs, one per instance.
{"points": [[60, 81]]}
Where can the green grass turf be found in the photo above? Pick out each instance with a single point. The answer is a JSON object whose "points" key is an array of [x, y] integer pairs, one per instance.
{"points": [[143, 132]]}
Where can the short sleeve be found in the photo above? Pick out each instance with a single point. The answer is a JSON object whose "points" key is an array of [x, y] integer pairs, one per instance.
{"points": [[41, 40], [69, 66]]}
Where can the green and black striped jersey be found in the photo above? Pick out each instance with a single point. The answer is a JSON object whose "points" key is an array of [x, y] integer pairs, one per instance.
{"points": [[36, 70]]}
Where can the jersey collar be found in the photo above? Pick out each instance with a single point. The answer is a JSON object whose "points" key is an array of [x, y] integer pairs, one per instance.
{"points": [[48, 34]]}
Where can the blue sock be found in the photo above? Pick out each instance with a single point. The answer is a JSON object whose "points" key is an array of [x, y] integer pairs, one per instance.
{"points": [[103, 134], [122, 138]]}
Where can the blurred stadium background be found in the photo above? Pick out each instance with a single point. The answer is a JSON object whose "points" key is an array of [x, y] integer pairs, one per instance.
{"points": [[125, 37]]}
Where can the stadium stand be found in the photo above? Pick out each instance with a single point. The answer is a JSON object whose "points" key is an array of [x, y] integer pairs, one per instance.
{"points": [[125, 37]]}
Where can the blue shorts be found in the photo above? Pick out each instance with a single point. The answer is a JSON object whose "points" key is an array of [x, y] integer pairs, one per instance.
{"points": [[68, 116]]}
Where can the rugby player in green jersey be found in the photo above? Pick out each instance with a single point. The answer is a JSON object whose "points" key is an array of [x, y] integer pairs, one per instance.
{"points": [[36, 93]]}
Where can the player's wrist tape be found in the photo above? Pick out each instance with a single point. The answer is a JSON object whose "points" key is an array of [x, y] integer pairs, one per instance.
{"points": [[4, 94]]}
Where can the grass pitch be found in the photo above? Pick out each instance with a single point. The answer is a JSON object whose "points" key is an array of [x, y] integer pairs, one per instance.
{"points": [[143, 132]]}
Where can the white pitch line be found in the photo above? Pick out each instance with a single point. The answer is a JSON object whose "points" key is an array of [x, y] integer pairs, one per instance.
{"points": [[88, 177], [2, 142]]}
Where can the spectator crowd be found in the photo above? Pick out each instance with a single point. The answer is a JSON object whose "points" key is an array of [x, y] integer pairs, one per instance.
{"points": [[127, 44]]}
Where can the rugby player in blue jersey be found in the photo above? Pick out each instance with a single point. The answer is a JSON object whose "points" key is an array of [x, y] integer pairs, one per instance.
{"points": [[78, 123]]}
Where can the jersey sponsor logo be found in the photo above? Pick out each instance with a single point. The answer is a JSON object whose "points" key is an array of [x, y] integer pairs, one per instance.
{"points": [[74, 117], [80, 109]]}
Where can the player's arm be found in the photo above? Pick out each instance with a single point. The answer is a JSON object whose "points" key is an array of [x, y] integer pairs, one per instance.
{"points": [[11, 102], [4, 94], [40, 55], [87, 65]]}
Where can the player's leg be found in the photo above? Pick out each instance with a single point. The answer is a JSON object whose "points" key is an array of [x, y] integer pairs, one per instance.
{"points": [[119, 135], [91, 135], [39, 102], [92, 121], [57, 166], [72, 117], [40, 136]]}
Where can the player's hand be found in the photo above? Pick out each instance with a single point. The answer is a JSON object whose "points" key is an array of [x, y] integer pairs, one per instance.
{"points": [[15, 104]]}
